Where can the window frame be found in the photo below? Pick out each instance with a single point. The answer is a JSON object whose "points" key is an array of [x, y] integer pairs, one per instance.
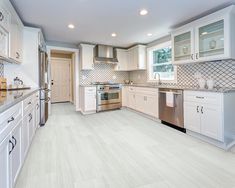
{"points": [[150, 64]]}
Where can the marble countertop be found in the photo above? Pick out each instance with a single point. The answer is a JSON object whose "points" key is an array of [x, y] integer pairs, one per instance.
{"points": [[192, 88], [10, 98]]}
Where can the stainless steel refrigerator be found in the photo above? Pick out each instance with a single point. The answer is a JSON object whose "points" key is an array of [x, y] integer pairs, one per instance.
{"points": [[43, 83]]}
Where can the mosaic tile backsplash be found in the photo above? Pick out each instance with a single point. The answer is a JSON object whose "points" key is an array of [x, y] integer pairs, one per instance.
{"points": [[1, 70], [102, 73], [222, 72]]}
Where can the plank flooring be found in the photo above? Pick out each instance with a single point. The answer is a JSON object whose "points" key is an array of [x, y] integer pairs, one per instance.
{"points": [[120, 149]]}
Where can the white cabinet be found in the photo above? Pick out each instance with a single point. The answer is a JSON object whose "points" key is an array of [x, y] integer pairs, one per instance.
{"points": [[16, 153], [88, 100], [4, 43], [144, 100], [122, 56], [125, 96], [87, 56], [203, 113], [5, 17], [207, 39], [5, 147], [16, 41], [137, 58]]}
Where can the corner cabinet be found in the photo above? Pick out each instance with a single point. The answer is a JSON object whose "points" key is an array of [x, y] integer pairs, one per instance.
{"points": [[86, 56], [207, 39], [131, 59]]}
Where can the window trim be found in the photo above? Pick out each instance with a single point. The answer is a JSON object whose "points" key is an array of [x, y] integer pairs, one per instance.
{"points": [[149, 65]]}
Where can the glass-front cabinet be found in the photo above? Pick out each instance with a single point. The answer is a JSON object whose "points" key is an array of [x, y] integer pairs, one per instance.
{"points": [[183, 46], [210, 38], [210, 41]]}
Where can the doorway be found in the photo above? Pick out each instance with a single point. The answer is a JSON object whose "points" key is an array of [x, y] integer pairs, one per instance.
{"points": [[61, 77]]}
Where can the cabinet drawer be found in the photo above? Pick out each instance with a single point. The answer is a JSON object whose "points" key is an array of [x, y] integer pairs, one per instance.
{"points": [[203, 97], [90, 90], [9, 119], [147, 91], [132, 89]]}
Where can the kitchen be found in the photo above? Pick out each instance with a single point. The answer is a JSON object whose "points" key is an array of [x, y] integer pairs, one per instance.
{"points": [[137, 102]]}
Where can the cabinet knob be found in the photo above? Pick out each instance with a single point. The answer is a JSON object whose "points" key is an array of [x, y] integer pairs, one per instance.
{"points": [[10, 120]]}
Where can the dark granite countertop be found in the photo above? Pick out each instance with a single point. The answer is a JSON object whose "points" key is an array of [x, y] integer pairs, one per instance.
{"points": [[10, 98]]}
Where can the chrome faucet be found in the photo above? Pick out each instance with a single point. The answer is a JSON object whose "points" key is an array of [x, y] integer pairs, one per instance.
{"points": [[156, 74]]}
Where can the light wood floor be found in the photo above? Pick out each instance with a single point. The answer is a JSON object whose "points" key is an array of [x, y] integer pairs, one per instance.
{"points": [[121, 149]]}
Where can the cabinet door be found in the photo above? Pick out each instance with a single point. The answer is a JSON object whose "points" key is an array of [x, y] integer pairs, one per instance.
{"points": [[31, 127], [183, 46], [211, 38], [131, 100], [122, 60], [5, 18], [87, 54], [192, 116], [131, 63], [142, 57], [151, 105], [90, 101], [124, 96], [24, 137], [16, 153], [5, 147], [211, 121], [139, 102]]}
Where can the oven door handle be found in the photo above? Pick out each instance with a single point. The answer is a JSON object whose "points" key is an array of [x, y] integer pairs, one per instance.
{"points": [[113, 91]]}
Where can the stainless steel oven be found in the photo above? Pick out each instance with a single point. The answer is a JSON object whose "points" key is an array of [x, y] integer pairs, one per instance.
{"points": [[109, 97]]}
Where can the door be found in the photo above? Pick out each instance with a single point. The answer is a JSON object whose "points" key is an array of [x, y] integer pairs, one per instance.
{"points": [[192, 117], [183, 47], [16, 153], [211, 40], [5, 147], [211, 121], [60, 83]]}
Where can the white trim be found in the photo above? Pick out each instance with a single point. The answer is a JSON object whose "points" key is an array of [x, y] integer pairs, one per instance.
{"points": [[76, 69], [156, 47]]}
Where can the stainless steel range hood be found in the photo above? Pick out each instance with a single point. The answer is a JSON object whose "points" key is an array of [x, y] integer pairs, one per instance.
{"points": [[105, 54]]}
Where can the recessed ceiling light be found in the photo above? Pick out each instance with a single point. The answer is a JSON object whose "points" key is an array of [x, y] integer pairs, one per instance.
{"points": [[204, 33], [113, 34], [143, 12], [71, 26], [149, 34]]}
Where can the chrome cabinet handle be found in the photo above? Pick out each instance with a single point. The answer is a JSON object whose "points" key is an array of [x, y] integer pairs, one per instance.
{"points": [[192, 56], [196, 55], [14, 140], [12, 147], [29, 103], [202, 110], [200, 97], [10, 120], [1, 16], [17, 55], [197, 109], [31, 117]]}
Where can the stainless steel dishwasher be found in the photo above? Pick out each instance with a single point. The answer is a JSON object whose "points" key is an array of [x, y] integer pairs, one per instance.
{"points": [[173, 116]]}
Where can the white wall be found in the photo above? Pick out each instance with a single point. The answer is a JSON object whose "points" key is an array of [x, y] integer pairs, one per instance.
{"points": [[28, 71]]}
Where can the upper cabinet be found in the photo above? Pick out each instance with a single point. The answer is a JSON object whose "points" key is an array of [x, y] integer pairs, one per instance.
{"points": [[11, 32], [207, 39], [5, 17], [16, 41], [87, 56], [122, 56], [131, 59]]}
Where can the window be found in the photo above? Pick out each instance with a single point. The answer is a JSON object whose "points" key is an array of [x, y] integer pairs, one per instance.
{"points": [[159, 61]]}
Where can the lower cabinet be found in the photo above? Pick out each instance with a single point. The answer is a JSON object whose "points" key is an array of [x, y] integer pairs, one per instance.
{"points": [[203, 113], [144, 100], [5, 146], [88, 100], [16, 134], [16, 153]]}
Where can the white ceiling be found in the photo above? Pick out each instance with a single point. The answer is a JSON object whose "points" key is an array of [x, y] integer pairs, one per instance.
{"points": [[95, 20]]}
